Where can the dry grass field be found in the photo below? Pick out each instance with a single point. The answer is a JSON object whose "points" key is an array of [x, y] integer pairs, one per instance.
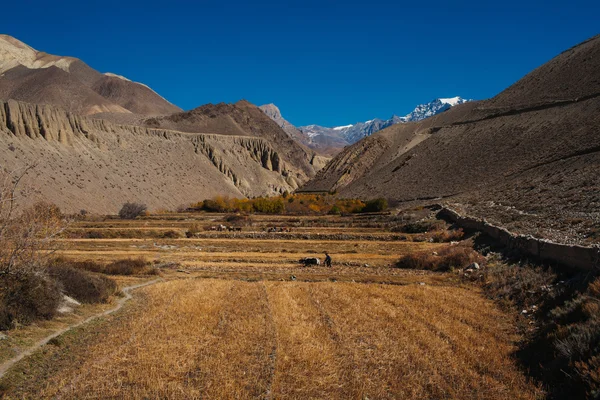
{"points": [[239, 317]]}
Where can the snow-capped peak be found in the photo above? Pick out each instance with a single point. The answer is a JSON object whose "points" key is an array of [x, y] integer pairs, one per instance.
{"points": [[341, 128], [452, 100]]}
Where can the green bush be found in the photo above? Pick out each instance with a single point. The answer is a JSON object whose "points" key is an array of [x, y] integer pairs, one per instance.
{"points": [[269, 205], [375, 205]]}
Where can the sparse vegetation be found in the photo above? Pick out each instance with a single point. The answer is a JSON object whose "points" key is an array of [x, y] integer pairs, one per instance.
{"points": [[563, 348], [446, 259]]}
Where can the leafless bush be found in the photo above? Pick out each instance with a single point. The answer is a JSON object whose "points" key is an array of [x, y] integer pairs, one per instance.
{"points": [[126, 266], [82, 285], [27, 238], [451, 257], [132, 210]]}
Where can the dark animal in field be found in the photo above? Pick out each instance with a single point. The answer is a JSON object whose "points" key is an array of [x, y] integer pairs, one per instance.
{"points": [[306, 261]]}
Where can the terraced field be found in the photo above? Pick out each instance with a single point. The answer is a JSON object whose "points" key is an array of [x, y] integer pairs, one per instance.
{"points": [[236, 316]]}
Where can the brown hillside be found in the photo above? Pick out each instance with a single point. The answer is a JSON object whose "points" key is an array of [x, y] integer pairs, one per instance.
{"points": [[36, 77], [241, 118], [96, 165], [56, 87], [132, 96], [532, 150]]}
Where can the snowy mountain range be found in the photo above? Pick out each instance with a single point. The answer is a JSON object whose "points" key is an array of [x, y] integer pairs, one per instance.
{"points": [[354, 132], [331, 140]]}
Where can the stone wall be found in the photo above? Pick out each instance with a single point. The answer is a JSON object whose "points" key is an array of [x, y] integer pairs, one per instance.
{"points": [[574, 256]]}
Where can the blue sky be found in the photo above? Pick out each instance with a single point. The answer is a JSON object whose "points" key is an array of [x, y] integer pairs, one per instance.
{"points": [[323, 62]]}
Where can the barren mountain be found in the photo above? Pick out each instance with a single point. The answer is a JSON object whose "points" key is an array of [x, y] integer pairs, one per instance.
{"points": [[527, 158], [93, 164], [273, 112], [32, 76], [242, 118]]}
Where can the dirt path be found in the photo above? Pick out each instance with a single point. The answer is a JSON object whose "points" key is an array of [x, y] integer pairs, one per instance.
{"points": [[4, 367]]}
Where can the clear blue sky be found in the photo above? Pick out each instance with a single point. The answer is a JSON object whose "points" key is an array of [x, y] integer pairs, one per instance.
{"points": [[324, 62]]}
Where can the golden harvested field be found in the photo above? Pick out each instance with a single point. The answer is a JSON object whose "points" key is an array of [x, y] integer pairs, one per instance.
{"points": [[268, 328]]}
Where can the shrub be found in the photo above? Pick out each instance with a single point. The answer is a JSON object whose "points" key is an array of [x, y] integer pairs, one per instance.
{"points": [[170, 234], [27, 296], [129, 266], [193, 230], [375, 205], [269, 206], [448, 258], [132, 210], [239, 219], [443, 236], [82, 285], [335, 210]]}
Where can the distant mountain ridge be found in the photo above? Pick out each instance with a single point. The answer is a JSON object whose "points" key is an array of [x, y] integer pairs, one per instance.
{"points": [[36, 77], [332, 140]]}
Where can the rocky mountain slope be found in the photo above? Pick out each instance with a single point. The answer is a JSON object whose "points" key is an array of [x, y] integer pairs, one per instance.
{"points": [[96, 165], [527, 158], [329, 141], [273, 112], [32, 76], [98, 140], [244, 119]]}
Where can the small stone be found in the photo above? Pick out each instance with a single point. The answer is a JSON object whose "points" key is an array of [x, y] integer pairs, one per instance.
{"points": [[422, 283], [293, 277], [3, 336], [473, 266]]}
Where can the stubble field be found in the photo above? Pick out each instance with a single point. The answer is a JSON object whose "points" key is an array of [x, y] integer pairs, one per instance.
{"points": [[236, 316]]}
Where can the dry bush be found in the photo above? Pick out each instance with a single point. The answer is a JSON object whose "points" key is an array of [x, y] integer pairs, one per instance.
{"points": [[26, 297], [193, 230], [132, 210], [447, 259], [27, 238], [130, 266], [564, 349], [170, 234], [445, 236], [520, 285], [239, 219], [82, 285], [126, 266]]}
